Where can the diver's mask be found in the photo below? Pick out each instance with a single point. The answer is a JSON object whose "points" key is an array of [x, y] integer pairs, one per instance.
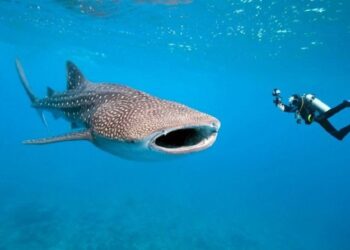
{"points": [[295, 100]]}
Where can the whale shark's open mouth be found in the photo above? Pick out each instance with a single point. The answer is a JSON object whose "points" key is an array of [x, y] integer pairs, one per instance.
{"points": [[185, 140]]}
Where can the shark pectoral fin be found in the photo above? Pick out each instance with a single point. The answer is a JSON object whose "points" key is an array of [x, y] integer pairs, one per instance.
{"points": [[74, 136]]}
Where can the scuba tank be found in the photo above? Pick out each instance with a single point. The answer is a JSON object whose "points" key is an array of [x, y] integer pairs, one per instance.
{"points": [[316, 103]]}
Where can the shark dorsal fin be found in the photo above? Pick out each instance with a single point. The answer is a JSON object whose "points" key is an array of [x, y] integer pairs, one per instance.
{"points": [[50, 92], [75, 78]]}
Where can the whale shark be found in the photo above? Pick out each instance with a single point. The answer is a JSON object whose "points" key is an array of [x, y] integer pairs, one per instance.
{"points": [[121, 120]]}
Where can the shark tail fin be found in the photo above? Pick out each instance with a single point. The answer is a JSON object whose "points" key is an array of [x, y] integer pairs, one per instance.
{"points": [[28, 90], [24, 82]]}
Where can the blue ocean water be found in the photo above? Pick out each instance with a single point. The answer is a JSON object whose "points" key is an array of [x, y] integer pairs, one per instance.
{"points": [[267, 183]]}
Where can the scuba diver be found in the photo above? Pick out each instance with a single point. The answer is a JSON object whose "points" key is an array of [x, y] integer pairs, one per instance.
{"points": [[309, 108]]}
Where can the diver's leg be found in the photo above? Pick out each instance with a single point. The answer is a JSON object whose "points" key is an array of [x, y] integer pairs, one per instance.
{"points": [[333, 111], [344, 131], [331, 129]]}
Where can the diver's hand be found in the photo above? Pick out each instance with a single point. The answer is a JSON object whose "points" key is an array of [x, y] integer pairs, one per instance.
{"points": [[277, 101], [276, 92]]}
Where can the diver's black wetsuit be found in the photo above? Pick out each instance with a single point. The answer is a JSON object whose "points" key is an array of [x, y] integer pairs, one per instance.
{"points": [[322, 119], [304, 109]]}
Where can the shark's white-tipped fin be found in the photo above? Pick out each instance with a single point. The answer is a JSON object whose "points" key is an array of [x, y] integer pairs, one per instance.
{"points": [[73, 136]]}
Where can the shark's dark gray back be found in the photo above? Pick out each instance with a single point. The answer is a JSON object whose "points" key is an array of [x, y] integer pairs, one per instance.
{"points": [[117, 111], [122, 120], [131, 115]]}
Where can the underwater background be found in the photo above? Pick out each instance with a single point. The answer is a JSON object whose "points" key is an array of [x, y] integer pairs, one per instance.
{"points": [[267, 183]]}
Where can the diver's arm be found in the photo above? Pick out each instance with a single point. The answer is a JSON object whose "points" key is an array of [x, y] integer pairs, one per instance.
{"points": [[276, 93], [283, 107]]}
